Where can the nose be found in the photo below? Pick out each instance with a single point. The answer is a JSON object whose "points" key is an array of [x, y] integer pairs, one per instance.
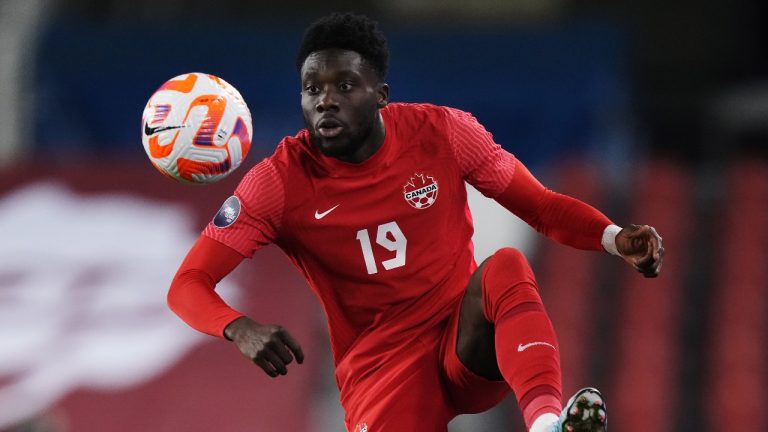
{"points": [[327, 101]]}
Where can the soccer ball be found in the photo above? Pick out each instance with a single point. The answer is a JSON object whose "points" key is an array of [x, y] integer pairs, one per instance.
{"points": [[196, 128], [425, 201]]}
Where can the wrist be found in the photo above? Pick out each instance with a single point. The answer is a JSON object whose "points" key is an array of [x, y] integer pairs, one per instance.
{"points": [[609, 239], [234, 328]]}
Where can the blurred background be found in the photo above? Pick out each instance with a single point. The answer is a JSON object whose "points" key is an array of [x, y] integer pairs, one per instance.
{"points": [[655, 112]]}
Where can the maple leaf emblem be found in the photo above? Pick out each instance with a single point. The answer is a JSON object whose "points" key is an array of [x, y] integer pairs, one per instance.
{"points": [[420, 191]]}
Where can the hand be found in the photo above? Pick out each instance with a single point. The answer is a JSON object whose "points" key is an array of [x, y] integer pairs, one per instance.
{"points": [[269, 346], [640, 246]]}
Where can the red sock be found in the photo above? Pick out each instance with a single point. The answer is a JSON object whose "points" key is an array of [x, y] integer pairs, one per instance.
{"points": [[526, 345]]}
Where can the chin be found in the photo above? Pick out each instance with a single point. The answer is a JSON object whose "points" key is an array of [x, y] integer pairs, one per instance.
{"points": [[331, 147], [335, 151]]}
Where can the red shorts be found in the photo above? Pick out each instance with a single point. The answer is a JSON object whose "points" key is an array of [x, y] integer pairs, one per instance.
{"points": [[421, 386]]}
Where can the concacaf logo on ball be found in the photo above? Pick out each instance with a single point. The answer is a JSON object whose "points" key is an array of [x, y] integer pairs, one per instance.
{"points": [[420, 191]]}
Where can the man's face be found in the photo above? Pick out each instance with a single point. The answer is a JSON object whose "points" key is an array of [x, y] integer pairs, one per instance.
{"points": [[340, 97]]}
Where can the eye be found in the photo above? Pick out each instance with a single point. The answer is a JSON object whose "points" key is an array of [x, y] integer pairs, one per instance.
{"points": [[311, 89], [345, 86]]}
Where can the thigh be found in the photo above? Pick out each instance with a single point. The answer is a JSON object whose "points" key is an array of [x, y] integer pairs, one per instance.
{"points": [[468, 391], [476, 336], [406, 394]]}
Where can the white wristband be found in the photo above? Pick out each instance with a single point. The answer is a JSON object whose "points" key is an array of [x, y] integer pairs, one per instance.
{"points": [[609, 239]]}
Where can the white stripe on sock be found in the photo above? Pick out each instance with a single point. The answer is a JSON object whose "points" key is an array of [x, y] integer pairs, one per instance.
{"points": [[544, 423]]}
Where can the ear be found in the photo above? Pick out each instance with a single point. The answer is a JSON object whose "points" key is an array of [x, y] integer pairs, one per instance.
{"points": [[383, 95]]}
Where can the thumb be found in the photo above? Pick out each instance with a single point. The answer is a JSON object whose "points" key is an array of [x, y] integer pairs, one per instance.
{"points": [[635, 240]]}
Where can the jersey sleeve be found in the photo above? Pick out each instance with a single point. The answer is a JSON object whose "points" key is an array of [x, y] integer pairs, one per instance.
{"points": [[192, 294], [499, 175], [482, 162], [562, 218], [251, 218]]}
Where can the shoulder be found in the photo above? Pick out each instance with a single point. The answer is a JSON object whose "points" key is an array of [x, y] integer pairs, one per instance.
{"points": [[426, 113], [264, 175], [415, 111], [419, 118], [273, 168], [291, 147], [292, 152]]}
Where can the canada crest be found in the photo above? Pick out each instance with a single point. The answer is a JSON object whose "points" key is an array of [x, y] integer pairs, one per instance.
{"points": [[420, 191]]}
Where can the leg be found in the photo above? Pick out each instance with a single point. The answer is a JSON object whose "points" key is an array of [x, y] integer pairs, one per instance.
{"points": [[502, 330], [505, 332], [475, 342], [405, 393]]}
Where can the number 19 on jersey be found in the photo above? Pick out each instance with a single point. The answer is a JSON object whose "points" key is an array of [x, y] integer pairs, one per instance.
{"points": [[391, 238]]}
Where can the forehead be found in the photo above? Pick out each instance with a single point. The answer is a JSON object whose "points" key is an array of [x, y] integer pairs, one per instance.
{"points": [[332, 61]]}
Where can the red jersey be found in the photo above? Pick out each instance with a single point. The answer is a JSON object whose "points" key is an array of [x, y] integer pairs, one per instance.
{"points": [[386, 244], [383, 243]]}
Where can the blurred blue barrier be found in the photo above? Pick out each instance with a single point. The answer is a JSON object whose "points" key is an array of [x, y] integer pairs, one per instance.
{"points": [[543, 92]]}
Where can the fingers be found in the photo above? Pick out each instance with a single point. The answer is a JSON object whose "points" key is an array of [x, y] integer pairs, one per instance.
{"points": [[271, 362], [273, 349], [275, 361], [266, 366], [631, 240], [638, 239], [281, 351], [654, 239], [650, 264], [644, 239], [294, 346]]}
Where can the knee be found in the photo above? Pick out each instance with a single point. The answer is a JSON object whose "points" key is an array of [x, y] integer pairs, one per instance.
{"points": [[507, 281], [509, 254], [509, 265]]}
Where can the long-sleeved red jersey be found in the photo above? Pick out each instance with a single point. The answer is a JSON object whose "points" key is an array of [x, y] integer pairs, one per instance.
{"points": [[386, 243]]}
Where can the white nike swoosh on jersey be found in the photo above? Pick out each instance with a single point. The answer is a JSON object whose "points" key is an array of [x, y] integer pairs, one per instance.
{"points": [[319, 215], [521, 347]]}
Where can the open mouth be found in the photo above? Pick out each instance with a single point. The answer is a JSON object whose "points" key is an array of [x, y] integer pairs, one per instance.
{"points": [[329, 128]]}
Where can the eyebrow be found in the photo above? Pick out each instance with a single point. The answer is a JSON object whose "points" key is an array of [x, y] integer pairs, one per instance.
{"points": [[344, 72], [339, 71]]}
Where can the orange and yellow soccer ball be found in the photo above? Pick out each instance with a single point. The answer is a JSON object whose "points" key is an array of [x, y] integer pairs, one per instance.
{"points": [[196, 128]]}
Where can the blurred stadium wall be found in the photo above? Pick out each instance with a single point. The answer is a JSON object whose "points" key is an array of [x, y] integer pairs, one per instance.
{"points": [[654, 112]]}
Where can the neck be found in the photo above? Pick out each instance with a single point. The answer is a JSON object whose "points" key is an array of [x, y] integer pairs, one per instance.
{"points": [[371, 143]]}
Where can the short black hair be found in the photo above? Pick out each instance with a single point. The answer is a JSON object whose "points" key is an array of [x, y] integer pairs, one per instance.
{"points": [[347, 31]]}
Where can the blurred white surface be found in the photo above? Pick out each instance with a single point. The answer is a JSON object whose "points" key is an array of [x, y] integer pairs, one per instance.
{"points": [[83, 281]]}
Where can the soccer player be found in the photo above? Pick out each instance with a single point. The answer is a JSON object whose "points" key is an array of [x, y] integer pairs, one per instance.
{"points": [[369, 202]]}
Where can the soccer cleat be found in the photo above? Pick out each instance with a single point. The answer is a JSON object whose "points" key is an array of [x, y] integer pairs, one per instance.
{"points": [[584, 412]]}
